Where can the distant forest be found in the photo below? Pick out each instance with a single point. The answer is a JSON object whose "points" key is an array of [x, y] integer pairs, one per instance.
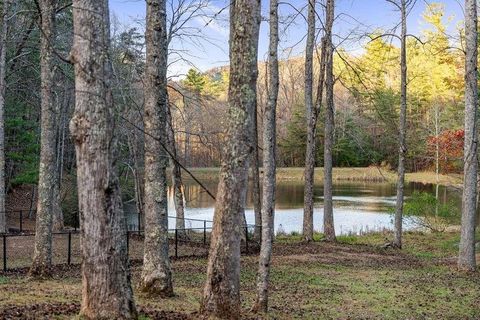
{"points": [[366, 101]]}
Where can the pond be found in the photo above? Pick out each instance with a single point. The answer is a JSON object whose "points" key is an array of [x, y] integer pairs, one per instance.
{"points": [[358, 206]]}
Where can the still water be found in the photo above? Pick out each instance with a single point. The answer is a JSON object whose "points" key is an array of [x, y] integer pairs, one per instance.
{"points": [[358, 206]]}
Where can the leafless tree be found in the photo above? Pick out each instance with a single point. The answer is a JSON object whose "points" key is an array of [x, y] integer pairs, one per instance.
{"points": [[107, 292], [221, 295], [3, 87], [157, 274], [311, 122], [42, 256], [328, 225], [402, 151], [269, 166], [466, 256]]}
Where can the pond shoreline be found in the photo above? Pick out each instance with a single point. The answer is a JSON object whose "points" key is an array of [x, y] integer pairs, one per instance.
{"points": [[367, 174]]}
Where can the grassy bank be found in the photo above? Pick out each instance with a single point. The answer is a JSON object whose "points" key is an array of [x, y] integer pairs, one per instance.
{"points": [[355, 279], [373, 174]]}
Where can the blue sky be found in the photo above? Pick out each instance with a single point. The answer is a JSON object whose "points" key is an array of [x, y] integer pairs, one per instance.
{"points": [[353, 17]]}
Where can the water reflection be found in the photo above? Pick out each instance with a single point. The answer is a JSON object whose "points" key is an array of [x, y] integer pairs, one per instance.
{"points": [[358, 206]]}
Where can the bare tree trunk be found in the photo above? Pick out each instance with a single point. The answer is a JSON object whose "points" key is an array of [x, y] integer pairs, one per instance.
{"points": [[221, 295], [178, 196], [328, 225], [3, 87], [61, 112], [186, 150], [32, 201], [466, 255], [257, 204], [309, 174], [269, 165], [42, 256], [311, 121], [437, 155], [402, 152], [136, 146], [57, 212], [107, 293], [157, 273]]}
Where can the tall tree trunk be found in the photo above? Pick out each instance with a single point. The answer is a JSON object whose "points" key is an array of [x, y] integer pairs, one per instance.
{"points": [[3, 88], [312, 118], [221, 295], [402, 152], [178, 196], [188, 103], [157, 274], [269, 165], [106, 293], [328, 225], [466, 255], [136, 145], [57, 212], [257, 204], [310, 115], [61, 112], [42, 256], [437, 155]]}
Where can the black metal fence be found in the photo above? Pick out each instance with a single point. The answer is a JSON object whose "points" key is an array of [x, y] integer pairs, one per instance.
{"points": [[16, 249]]}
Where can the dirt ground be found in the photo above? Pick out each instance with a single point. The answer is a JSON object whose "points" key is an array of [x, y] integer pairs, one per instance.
{"points": [[353, 279]]}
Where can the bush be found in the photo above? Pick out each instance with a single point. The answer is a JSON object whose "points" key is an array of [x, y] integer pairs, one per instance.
{"points": [[424, 210]]}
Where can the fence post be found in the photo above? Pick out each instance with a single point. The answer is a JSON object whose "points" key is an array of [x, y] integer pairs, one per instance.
{"points": [[4, 252], [69, 257], [246, 239], [21, 221], [176, 243], [204, 232]]}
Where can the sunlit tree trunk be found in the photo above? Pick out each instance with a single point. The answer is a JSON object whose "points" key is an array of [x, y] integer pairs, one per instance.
{"points": [[311, 124], [42, 256], [328, 226], [3, 86], [402, 152], [221, 295], [157, 274], [106, 292], [269, 166], [466, 255]]}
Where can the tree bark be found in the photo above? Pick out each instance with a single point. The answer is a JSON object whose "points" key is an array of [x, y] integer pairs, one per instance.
{"points": [[257, 204], [3, 88], [106, 293], [328, 223], [157, 274], [402, 152], [269, 165], [311, 121], [221, 295], [42, 256], [136, 144], [466, 255], [61, 114], [178, 196]]}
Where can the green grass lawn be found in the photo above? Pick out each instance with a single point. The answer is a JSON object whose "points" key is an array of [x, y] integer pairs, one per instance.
{"points": [[353, 279]]}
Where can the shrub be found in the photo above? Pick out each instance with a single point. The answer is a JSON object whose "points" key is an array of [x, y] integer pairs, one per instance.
{"points": [[424, 210]]}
